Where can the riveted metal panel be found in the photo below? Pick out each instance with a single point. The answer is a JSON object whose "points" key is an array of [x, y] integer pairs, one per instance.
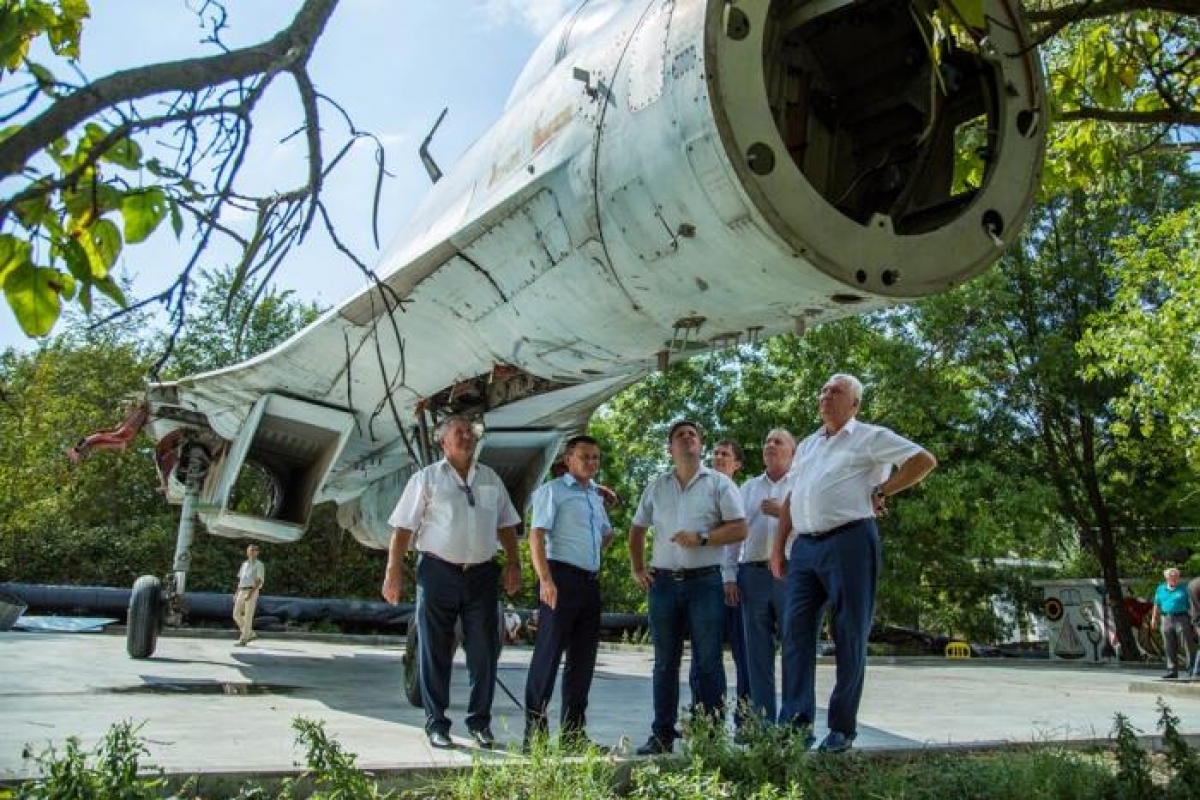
{"points": [[708, 163], [640, 220], [647, 55]]}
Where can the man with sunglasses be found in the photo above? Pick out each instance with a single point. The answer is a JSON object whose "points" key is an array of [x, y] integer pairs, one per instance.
{"points": [[456, 512]]}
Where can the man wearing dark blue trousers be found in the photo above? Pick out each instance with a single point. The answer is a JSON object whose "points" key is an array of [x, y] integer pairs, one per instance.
{"points": [[457, 512], [758, 592], [694, 511], [569, 530], [840, 477], [727, 459]]}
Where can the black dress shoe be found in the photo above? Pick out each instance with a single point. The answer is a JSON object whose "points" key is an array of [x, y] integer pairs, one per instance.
{"points": [[655, 747], [483, 737], [440, 740]]}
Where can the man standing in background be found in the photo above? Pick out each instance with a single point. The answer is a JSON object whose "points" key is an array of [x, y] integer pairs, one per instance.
{"points": [[727, 459], [759, 593], [245, 597], [1172, 615]]}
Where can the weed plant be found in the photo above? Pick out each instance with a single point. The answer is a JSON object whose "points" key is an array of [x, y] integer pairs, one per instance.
{"points": [[113, 770], [546, 772], [771, 765]]}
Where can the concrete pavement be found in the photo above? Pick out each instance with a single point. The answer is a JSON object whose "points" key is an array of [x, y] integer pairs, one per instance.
{"points": [[209, 707]]}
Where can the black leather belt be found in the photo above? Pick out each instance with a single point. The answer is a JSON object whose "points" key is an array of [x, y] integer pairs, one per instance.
{"points": [[756, 564], [687, 574], [455, 564], [586, 573], [845, 526]]}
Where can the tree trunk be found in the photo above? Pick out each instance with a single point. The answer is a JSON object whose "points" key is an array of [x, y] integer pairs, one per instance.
{"points": [[1106, 554]]}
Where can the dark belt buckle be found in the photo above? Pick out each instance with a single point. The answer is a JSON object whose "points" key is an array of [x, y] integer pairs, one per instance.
{"points": [[678, 574]]}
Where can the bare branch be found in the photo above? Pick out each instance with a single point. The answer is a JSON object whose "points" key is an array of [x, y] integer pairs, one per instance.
{"points": [[291, 47]]}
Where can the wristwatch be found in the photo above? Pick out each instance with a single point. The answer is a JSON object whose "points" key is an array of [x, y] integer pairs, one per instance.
{"points": [[703, 539]]}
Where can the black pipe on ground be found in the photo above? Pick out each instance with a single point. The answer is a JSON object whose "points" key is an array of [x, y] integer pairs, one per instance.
{"points": [[94, 601]]}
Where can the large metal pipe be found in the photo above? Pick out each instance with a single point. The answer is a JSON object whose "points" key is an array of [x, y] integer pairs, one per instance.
{"points": [[109, 602]]}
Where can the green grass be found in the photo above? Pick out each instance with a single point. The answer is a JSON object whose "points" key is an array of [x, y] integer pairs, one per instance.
{"points": [[770, 766]]}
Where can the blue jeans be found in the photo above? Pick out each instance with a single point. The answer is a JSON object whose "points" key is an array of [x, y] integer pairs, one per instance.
{"points": [[445, 594], [733, 637], [762, 611], [695, 604], [841, 570]]}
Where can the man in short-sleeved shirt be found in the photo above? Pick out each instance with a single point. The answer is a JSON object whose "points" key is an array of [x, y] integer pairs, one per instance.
{"points": [[758, 593], [694, 511], [569, 530], [840, 477], [250, 579], [458, 512], [1172, 611]]}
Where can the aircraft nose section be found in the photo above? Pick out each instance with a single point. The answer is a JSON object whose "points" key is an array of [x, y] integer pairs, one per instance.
{"points": [[894, 144]]}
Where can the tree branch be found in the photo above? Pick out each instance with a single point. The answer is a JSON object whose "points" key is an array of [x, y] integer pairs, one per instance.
{"points": [[289, 48], [1064, 15], [1163, 116]]}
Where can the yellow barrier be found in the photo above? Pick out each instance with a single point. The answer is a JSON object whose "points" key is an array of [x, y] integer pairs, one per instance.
{"points": [[958, 650]]}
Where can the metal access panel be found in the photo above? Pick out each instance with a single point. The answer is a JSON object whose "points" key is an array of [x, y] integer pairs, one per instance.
{"points": [[291, 443]]}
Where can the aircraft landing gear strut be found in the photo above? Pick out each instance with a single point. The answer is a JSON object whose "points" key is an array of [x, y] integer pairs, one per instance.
{"points": [[154, 603]]}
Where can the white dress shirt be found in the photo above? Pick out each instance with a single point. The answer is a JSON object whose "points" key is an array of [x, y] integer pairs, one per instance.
{"points": [[708, 501], [251, 573], [832, 476], [450, 522], [760, 528]]}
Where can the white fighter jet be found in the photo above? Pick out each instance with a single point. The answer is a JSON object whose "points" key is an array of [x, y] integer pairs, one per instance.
{"points": [[668, 177]]}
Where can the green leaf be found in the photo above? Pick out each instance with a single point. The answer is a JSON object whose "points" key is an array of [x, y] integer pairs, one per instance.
{"points": [[76, 259], [33, 211], [44, 76], [13, 253], [91, 200], [110, 289], [33, 293], [143, 211], [125, 153], [176, 219], [102, 243]]}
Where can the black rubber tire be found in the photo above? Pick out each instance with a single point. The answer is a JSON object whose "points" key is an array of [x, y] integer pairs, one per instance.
{"points": [[145, 617], [411, 660]]}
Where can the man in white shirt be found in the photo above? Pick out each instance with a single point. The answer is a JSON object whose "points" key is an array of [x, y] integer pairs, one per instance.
{"points": [[245, 597], [457, 511], [694, 511], [727, 459], [840, 478], [758, 593]]}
